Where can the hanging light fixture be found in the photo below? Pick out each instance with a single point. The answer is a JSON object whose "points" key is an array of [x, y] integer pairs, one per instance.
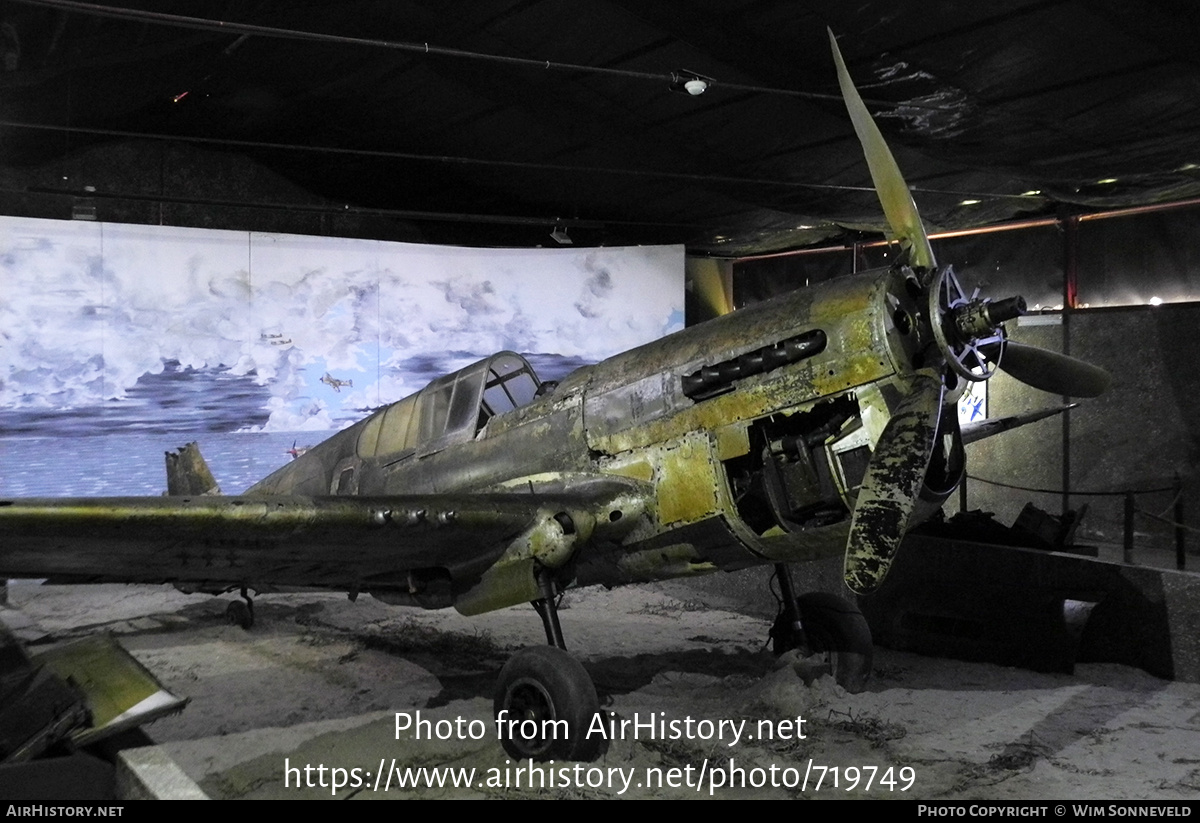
{"points": [[688, 82]]}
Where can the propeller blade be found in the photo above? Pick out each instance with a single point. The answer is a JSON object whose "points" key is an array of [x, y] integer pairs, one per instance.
{"points": [[713, 290], [1048, 370], [892, 483], [894, 195]]}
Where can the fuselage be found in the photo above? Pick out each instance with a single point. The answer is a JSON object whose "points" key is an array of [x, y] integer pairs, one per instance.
{"points": [[750, 432]]}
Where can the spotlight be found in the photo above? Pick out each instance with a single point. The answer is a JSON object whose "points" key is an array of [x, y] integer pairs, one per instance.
{"points": [[560, 235], [688, 82]]}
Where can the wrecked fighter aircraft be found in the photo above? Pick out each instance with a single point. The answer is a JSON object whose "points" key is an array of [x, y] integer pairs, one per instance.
{"points": [[819, 423]]}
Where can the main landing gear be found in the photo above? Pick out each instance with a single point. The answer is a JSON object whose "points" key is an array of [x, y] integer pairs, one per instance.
{"points": [[545, 701], [822, 623], [241, 612]]}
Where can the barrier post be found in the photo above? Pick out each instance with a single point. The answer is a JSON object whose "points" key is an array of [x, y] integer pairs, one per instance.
{"points": [[1180, 533], [1129, 528]]}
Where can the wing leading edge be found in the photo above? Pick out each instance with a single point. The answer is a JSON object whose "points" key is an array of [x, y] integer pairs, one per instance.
{"points": [[394, 546]]}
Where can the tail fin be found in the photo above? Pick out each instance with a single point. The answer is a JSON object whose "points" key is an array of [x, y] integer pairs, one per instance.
{"points": [[188, 473]]}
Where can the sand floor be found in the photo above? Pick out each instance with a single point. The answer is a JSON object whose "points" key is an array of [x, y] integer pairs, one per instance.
{"points": [[319, 681]]}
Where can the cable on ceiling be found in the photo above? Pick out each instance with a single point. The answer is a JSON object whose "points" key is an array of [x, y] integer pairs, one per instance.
{"points": [[276, 32]]}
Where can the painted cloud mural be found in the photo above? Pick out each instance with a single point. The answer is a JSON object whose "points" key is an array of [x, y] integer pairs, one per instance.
{"points": [[121, 339]]}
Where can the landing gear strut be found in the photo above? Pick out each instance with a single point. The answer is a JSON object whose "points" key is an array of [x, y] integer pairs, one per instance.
{"points": [[823, 623], [545, 701], [547, 609]]}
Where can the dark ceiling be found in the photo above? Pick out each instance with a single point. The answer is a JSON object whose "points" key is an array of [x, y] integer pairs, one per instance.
{"points": [[524, 112]]}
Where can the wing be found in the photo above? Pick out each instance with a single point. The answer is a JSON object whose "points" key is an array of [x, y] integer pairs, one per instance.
{"points": [[972, 432], [442, 546]]}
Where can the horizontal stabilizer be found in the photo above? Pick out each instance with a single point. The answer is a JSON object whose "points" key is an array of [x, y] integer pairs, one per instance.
{"points": [[973, 432]]}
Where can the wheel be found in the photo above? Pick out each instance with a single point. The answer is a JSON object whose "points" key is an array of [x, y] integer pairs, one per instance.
{"points": [[238, 614], [834, 627], [539, 688]]}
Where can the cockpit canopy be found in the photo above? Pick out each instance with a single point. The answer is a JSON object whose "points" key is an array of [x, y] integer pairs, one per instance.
{"points": [[451, 409]]}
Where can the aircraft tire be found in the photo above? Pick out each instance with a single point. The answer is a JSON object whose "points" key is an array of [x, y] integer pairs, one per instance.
{"points": [[239, 614], [545, 683], [832, 626]]}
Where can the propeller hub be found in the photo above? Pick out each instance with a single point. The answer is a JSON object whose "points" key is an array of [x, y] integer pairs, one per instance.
{"points": [[979, 318], [963, 326]]}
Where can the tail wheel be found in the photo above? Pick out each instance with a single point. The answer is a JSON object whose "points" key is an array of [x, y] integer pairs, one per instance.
{"points": [[545, 703], [833, 627]]}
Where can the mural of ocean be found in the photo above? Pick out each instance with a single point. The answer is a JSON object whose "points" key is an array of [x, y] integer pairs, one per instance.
{"points": [[117, 465], [116, 449]]}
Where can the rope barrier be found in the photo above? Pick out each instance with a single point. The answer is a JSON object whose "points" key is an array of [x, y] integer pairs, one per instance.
{"points": [[1120, 493], [1130, 510], [1169, 522]]}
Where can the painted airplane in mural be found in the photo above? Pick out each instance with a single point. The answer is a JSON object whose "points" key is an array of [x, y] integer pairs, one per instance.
{"points": [[334, 383], [819, 423]]}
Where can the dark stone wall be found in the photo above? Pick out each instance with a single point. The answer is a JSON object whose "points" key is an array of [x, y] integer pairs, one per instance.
{"points": [[1039, 610], [1137, 436], [149, 182], [1030, 456]]}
